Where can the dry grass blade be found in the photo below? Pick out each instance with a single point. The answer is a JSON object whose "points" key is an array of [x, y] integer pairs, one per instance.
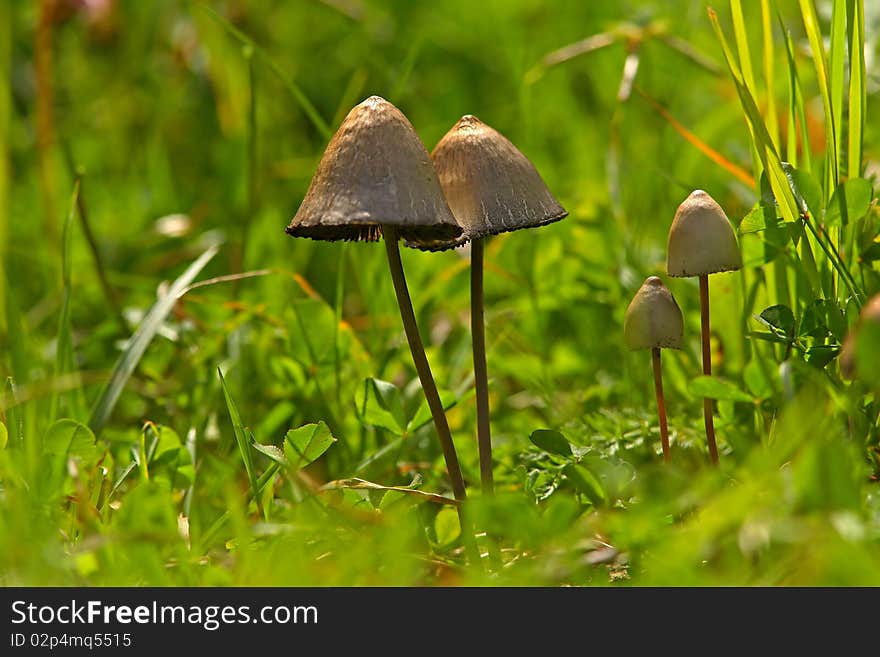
{"points": [[363, 484], [732, 168]]}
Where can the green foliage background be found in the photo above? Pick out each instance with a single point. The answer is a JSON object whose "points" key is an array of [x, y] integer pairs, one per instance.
{"points": [[178, 126]]}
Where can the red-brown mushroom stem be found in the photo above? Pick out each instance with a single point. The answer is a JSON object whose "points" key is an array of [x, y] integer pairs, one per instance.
{"points": [[661, 406], [707, 366], [481, 375], [420, 360]]}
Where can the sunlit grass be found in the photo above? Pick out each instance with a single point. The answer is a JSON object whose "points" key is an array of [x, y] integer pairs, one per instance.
{"points": [[191, 131]]}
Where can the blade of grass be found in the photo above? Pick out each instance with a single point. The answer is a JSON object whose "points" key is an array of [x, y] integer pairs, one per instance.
{"points": [[814, 35], [741, 39], [241, 439], [837, 76], [797, 119], [302, 100], [778, 274], [14, 421], [64, 335], [5, 114], [857, 106], [857, 90], [769, 66], [251, 145], [779, 182], [764, 145], [141, 339], [566, 53], [409, 64]]}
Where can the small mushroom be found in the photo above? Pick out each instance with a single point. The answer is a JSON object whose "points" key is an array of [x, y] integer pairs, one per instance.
{"points": [[850, 365], [653, 321], [491, 188], [376, 179], [701, 242]]}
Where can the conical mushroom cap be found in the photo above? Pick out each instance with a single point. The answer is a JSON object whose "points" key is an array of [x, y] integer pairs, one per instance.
{"points": [[374, 171], [701, 239], [653, 318], [870, 315], [489, 184]]}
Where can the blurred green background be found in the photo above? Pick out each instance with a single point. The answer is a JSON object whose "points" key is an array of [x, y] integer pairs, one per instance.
{"points": [[190, 124]]}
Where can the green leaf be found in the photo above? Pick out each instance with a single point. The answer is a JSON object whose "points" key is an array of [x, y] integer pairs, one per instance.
{"points": [[761, 217], [307, 443], [586, 483], [551, 441], [141, 339], [69, 438], [820, 355], [446, 526], [273, 452], [4, 436], [768, 337], [715, 388], [779, 317], [850, 202], [379, 404], [241, 438]]}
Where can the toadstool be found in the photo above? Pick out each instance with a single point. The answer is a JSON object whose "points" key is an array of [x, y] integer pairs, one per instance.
{"points": [[375, 180], [701, 242], [491, 188], [653, 321]]}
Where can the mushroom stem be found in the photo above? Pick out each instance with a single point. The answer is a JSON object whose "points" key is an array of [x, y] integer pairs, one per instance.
{"points": [[661, 406], [707, 366], [481, 376], [411, 328]]}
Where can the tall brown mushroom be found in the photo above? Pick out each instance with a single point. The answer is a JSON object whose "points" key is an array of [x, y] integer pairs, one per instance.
{"points": [[868, 367], [701, 242], [653, 321], [375, 180], [491, 188]]}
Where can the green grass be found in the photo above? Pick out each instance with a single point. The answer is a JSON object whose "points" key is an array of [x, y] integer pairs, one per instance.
{"points": [[190, 132]]}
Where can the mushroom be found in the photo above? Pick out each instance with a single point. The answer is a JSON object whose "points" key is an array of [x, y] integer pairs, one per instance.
{"points": [[850, 365], [653, 321], [701, 242], [376, 179], [491, 188]]}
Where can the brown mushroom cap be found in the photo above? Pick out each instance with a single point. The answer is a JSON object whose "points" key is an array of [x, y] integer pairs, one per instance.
{"points": [[653, 318], [870, 315], [374, 171], [489, 184], [701, 239]]}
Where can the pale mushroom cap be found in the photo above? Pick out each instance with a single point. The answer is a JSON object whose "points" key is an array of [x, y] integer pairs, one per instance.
{"points": [[653, 318], [489, 184], [870, 314], [374, 171], [701, 239]]}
